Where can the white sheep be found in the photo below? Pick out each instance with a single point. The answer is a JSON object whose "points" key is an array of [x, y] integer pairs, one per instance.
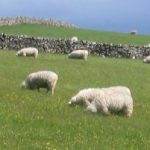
{"points": [[41, 79], [30, 51], [146, 59], [74, 39], [105, 100], [148, 45], [79, 54]]}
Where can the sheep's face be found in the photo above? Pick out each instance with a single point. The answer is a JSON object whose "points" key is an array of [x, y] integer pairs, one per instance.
{"points": [[24, 84], [144, 60], [72, 101], [18, 53]]}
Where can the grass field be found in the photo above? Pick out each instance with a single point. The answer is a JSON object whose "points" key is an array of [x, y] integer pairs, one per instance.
{"points": [[90, 35], [31, 120]]}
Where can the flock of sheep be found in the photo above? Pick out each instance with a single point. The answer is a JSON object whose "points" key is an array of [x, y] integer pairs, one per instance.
{"points": [[104, 100]]}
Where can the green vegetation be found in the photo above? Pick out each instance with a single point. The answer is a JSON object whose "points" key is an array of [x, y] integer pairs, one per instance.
{"points": [[90, 35], [31, 120]]}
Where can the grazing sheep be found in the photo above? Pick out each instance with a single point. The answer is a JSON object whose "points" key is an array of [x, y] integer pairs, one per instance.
{"points": [[74, 39], [41, 79], [105, 100], [148, 45], [133, 32], [79, 54], [30, 51], [133, 57], [146, 59]]}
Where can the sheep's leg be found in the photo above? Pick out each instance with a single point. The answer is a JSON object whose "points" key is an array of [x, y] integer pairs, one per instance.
{"points": [[53, 86], [85, 57], [128, 110], [38, 89], [35, 55], [87, 103], [52, 91], [105, 111], [48, 89], [91, 108], [24, 54]]}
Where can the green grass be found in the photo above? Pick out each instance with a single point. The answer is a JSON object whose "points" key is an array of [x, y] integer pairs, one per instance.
{"points": [[31, 120], [90, 35]]}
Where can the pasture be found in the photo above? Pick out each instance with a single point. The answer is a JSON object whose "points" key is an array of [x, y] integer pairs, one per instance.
{"points": [[36, 30], [31, 120]]}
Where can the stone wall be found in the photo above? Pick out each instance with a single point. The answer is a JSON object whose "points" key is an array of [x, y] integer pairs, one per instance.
{"points": [[65, 46], [9, 21]]}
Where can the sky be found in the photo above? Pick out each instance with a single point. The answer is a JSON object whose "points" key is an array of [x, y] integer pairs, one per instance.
{"points": [[108, 15]]}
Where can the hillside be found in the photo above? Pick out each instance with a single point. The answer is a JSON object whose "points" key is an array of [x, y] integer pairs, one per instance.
{"points": [[37, 120], [83, 34]]}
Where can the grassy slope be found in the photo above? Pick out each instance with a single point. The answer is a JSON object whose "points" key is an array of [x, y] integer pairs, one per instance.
{"points": [[30, 120], [91, 35]]}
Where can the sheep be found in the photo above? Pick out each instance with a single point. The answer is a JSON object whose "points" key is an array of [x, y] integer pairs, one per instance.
{"points": [[146, 59], [30, 51], [41, 79], [148, 45], [133, 32], [79, 54], [133, 57], [74, 39], [105, 100]]}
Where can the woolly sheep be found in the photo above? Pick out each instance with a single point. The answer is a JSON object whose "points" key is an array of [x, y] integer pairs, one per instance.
{"points": [[148, 45], [133, 32], [105, 100], [147, 59], [79, 54], [30, 51], [74, 39], [41, 79]]}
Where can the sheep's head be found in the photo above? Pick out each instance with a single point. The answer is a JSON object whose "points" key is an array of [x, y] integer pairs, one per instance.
{"points": [[144, 60], [23, 84], [18, 53], [72, 101]]}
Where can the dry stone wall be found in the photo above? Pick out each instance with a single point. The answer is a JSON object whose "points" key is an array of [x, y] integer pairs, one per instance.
{"points": [[65, 46], [9, 21]]}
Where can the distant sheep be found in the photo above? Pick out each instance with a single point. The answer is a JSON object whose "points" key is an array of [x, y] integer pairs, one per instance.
{"points": [[133, 57], [74, 39], [79, 54], [148, 45], [30, 51], [41, 79], [133, 32], [146, 59], [105, 100]]}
